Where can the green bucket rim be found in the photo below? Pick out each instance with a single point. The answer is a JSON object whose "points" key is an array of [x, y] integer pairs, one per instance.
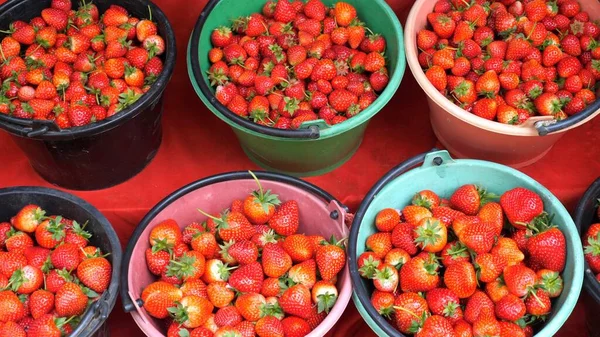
{"points": [[314, 132], [436, 158]]}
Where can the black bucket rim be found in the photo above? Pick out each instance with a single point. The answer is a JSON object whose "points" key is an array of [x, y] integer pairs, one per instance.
{"points": [[98, 312], [48, 130], [591, 284], [126, 301]]}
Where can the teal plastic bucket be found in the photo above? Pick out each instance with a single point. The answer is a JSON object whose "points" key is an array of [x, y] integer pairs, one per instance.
{"points": [[316, 148], [442, 174]]}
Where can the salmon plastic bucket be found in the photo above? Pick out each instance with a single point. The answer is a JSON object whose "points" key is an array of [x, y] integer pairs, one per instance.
{"points": [[469, 136], [320, 213], [442, 174]]}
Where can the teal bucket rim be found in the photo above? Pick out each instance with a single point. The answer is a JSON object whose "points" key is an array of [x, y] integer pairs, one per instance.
{"points": [[436, 158], [330, 131]]}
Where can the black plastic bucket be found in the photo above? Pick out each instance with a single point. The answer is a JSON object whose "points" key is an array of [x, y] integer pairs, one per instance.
{"points": [[101, 154], [585, 216], [103, 236]]}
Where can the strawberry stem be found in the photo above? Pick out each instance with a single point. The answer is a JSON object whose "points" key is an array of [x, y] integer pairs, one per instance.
{"points": [[208, 215]]}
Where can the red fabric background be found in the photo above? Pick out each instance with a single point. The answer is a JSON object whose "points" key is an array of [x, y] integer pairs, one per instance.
{"points": [[196, 144]]}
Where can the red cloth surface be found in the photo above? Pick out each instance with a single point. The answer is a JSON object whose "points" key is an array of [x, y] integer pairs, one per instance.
{"points": [[196, 144]]}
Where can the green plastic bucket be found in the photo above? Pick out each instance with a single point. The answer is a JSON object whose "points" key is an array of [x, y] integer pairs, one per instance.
{"points": [[316, 148], [443, 175]]}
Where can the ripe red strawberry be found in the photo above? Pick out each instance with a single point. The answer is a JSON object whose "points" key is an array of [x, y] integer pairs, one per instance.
{"points": [[409, 308], [284, 11], [28, 218], [345, 13], [518, 216], [479, 237], [24, 35], [426, 39], [299, 248], [41, 302], [285, 221], [11, 308], [418, 275], [247, 278], [341, 100], [437, 76], [55, 17], [296, 301], [70, 300], [66, 256], [95, 273], [461, 279], [275, 261], [469, 198], [444, 302], [402, 237], [547, 249], [356, 34], [519, 279], [330, 258], [114, 17], [538, 303], [221, 37], [315, 9], [442, 24]]}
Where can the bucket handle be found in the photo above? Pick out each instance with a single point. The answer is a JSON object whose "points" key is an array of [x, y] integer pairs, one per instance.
{"points": [[28, 127], [128, 301], [311, 132], [546, 127]]}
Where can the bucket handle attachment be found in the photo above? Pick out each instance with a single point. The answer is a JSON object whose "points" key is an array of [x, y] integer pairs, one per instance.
{"points": [[310, 132], [546, 127], [29, 127], [129, 300]]}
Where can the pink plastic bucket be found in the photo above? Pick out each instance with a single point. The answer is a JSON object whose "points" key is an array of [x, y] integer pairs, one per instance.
{"points": [[320, 213], [469, 136]]}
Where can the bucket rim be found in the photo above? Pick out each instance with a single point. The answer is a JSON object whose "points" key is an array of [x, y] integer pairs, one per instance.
{"points": [[97, 313], [48, 130], [436, 158], [313, 131], [590, 196], [540, 126]]}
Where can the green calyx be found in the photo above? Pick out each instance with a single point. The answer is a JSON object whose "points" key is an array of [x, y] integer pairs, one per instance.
{"points": [[325, 302], [593, 246], [430, 234], [182, 268], [369, 268], [264, 198], [270, 309]]}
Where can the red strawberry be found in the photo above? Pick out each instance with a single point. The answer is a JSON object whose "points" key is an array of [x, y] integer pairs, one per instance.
{"points": [[418, 275], [547, 249], [469, 198], [296, 301], [512, 202], [284, 11], [55, 17], [442, 24], [345, 13], [285, 221], [275, 261], [356, 34], [247, 278], [330, 258]]}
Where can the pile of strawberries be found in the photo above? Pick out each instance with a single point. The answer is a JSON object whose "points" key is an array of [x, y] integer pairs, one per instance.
{"points": [[445, 268], [591, 245], [511, 60], [76, 67], [49, 274], [246, 272], [298, 62]]}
